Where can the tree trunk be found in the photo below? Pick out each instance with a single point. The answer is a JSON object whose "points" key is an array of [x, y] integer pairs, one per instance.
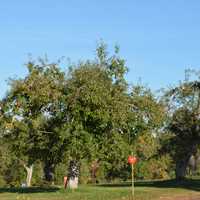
{"points": [[192, 165], [73, 174], [93, 171], [73, 183], [49, 170], [182, 163], [29, 170], [181, 167]]}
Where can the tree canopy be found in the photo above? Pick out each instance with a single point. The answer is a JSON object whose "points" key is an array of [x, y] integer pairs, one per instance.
{"points": [[88, 115]]}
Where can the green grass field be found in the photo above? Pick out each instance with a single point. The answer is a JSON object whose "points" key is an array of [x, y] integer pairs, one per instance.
{"points": [[143, 191]]}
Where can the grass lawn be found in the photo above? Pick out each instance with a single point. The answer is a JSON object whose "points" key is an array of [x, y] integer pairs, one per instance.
{"points": [[148, 190]]}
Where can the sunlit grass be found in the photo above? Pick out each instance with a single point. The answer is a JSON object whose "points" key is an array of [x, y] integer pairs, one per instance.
{"points": [[143, 191]]}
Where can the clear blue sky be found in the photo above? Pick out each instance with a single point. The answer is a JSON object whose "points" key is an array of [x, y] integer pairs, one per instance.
{"points": [[158, 38]]}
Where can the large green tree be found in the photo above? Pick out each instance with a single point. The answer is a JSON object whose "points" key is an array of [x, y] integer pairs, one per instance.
{"points": [[31, 104], [98, 108], [88, 113]]}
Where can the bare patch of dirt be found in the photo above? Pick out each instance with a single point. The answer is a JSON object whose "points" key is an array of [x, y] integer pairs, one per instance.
{"points": [[188, 197]]}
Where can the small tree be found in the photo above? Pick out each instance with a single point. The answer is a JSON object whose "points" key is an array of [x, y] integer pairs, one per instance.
{"points": [[27, 107], [184, 123]]}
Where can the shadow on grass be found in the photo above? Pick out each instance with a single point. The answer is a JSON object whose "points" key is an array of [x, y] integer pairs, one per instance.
{"points": [[29, 190], [185, 184], [189, 184]]}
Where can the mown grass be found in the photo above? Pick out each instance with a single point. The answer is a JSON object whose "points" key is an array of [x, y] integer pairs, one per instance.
{"points": [[149, 190]]}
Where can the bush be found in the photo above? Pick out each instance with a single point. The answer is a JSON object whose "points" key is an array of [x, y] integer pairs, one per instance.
{"points": [[154, 168]]}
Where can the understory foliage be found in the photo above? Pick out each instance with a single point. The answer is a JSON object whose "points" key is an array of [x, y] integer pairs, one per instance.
{"points": [[84, 121]]}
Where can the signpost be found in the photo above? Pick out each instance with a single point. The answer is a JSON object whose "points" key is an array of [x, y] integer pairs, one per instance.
{"points": [[132, 161]]}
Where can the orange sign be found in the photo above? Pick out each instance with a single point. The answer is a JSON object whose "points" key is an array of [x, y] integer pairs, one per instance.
{"points": [[132, 160]]}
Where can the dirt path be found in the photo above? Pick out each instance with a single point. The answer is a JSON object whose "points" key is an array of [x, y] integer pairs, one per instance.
{"points": [[189, 197]]}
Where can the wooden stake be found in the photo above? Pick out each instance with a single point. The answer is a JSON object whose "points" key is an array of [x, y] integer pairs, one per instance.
{"points": [[133, 192]]}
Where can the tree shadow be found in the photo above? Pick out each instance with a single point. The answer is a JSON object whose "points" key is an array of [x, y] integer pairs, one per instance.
{"points": [[189, 184], [29, 190]]}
